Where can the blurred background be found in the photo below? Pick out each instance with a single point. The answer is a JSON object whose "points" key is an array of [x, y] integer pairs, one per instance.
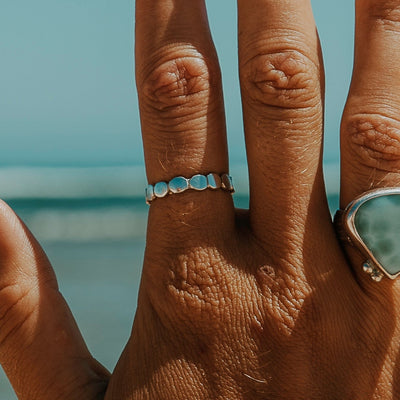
{"points": [[71, 161]]}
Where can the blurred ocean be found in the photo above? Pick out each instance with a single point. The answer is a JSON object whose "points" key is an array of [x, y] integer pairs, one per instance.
{"points": [[92, 223]]}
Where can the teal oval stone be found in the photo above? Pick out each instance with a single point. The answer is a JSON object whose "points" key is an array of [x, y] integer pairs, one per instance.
{"points": [[214, 181], [377, 222], [150, 193], [178, 184], [160, 189], [227, 182], [198, 182]]}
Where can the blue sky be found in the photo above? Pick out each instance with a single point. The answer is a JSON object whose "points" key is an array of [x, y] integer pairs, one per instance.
{"points": [[67, 85]]}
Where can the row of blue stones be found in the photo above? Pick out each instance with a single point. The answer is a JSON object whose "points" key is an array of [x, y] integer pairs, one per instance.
{"points": [[180, 184]]}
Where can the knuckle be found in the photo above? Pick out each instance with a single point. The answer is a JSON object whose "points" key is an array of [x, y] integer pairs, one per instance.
{"points": [[186, 290], [374, 141], [285, 79], [177, 86], [386, 13]]}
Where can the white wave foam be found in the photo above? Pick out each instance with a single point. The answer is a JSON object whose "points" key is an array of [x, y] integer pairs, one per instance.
{"points": [[87, 225], [106, 222], [50, 183], [103, 182]]}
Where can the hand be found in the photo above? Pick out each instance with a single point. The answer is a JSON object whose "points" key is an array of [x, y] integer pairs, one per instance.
{"points": [[258, 304]]}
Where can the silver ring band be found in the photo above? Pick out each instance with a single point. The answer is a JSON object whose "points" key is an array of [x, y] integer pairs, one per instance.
{"points": [[180, 184]]}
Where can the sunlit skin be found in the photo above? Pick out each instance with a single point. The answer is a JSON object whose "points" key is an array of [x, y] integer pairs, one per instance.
{"points": [[252, 304]]}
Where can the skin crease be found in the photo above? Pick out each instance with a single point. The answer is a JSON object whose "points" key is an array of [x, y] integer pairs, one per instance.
{"points": [[234, 304]]}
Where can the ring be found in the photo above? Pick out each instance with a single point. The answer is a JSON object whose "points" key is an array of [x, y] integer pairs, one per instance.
{"points": [[198, 182], [371, 223]]}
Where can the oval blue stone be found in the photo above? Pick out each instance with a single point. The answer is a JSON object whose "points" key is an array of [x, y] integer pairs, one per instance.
{"points": [[198, 182], [214, 181], [227, 182], [178, 184], [150, 193], [160, 189]]}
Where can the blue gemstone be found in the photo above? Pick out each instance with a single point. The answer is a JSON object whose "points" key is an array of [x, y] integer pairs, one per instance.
{"points": [[178, 184], [160, 189], [198, 182], [150, 193], [214, 181], [227, 182]]}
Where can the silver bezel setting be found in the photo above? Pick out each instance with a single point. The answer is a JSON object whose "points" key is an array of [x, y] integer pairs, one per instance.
{"points": [[348, 220]]}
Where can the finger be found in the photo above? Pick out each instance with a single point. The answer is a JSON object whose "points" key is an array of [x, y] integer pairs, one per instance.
{"points": [[282, 85], [41, 348], [181, 104], [370, 133]]}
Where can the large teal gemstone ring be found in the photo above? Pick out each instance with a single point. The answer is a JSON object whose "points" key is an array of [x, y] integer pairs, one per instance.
{"points": [[371, 223]]}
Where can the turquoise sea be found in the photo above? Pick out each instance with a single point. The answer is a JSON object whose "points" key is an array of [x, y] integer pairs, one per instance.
{"points": [[92, 223]]}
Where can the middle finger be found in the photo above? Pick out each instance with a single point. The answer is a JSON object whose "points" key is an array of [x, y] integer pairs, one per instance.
{"points": [[282, 86]]}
